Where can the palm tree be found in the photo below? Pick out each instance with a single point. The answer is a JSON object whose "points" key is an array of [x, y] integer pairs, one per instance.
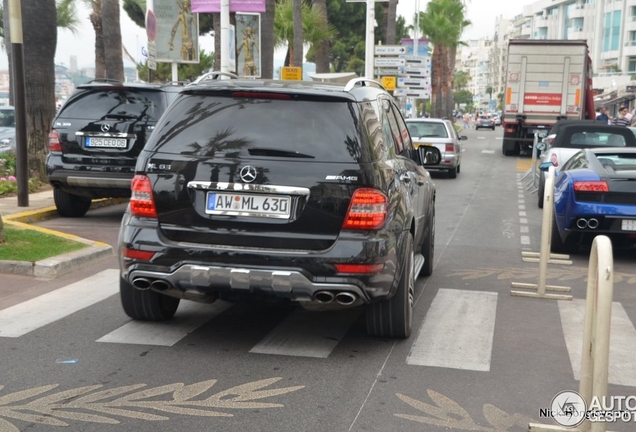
{"points": [[443, 23], [322, 48], [39, 19], [315, 28], [111, 28], [391, 17], [296, 55], [96, 20]]}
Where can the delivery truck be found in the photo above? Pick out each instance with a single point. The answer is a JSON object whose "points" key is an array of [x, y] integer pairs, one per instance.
{"points": [[546, 81]]}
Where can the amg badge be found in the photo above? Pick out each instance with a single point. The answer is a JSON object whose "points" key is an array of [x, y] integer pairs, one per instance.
{"points": [[341, 178]]}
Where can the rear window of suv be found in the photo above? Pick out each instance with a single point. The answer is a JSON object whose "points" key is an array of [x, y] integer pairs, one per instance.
{"points": [[218, 126], [95, 104]]}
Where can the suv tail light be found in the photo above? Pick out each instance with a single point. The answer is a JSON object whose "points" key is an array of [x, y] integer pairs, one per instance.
{"points": [[142, 203], [367, 210], [591, 186], [450, 148], [54, 141]]}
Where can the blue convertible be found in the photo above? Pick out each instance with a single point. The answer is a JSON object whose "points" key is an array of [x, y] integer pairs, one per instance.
{"points": [[595, 193]]}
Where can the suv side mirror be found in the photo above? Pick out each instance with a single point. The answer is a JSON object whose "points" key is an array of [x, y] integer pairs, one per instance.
{"points": [[429, 155], [545, 166]]}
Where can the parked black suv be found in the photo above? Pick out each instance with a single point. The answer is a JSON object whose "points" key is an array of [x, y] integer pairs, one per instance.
{"points": [[300, 191], [96, 138]]}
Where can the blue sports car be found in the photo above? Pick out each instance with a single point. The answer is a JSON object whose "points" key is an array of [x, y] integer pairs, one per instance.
{"points": [[595, 193]]}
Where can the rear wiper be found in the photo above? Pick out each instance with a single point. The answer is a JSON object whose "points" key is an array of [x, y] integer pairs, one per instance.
{"points": [[121, 116], [255, 151]]}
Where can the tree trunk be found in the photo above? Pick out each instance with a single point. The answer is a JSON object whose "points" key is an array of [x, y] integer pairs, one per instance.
{"points": [[267, 40], [390, 22], [96, 20], [297, 46], [111, 29], [322, 50], [39, 23], [1, 230], [7, 44], [437, 77]]}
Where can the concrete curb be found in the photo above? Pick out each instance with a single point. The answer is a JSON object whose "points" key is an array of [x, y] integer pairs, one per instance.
{"points": [[53, 267]]}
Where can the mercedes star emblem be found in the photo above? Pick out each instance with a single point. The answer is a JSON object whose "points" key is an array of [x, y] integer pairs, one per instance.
{"points": [[105, 127], [248, 174]]}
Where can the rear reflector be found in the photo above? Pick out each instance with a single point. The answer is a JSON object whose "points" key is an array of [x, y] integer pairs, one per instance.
{"points": [[450, 147], [359, 268], [367, 210], [591, 186], [137, 254], [142, 202]]}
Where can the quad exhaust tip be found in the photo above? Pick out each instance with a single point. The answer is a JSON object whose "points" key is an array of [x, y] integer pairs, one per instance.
{"points": [[345, 298], [583, 223], [324, 297], [141, 283]]}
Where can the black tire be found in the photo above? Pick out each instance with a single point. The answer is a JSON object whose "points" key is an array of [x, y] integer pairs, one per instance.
{"points": [[146, 305], [393, 317], [509, 152], [557, 245], [459, 168], [541, 190], [428, 248], [69, 205], [452, 173]]}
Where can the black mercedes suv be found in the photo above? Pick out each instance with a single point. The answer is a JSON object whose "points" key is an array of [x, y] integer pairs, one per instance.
{"points": [[298, 191], [96, 138]]}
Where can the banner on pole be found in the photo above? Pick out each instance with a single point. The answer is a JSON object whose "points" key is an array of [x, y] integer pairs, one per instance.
{"points": [[208, 6], [177, 38]]}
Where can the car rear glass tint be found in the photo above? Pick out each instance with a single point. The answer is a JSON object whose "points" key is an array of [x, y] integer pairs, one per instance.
{"points": [[210, 125], [427, 130], [102, 103], [596, 139]]}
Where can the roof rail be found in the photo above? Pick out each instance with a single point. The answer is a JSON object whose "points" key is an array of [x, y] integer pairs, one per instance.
{"points": [[214, 76], [363, 82]]}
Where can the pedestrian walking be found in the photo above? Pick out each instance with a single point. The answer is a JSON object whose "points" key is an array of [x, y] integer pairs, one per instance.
{"points": [[602, 115], [466, 121], [622, 119]]}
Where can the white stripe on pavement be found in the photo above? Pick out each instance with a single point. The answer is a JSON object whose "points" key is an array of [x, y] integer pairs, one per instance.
{"points": [[307, 334], [622, 359], [488, 151], [30, 315], [457, 332], [190, 316]]}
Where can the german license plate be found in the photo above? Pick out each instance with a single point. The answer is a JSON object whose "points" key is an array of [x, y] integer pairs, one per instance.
{"points": [[628, 225], [106, 142], [248, 204]]}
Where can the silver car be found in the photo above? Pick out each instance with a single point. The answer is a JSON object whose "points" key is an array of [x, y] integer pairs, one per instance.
{"points": [[7, 129], [441, 134]]}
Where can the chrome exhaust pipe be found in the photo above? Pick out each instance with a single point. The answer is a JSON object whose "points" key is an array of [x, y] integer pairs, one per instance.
{"points": [[592, 223], [160, 285], [141, 283], [581, 223], [345, 298], [324, 297]]}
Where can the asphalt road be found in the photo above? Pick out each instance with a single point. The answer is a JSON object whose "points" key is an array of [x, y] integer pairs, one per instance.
{"points": [[478, 360]]}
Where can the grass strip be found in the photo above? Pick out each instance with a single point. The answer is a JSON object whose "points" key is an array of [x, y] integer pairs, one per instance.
{"points": [[31, 245]]}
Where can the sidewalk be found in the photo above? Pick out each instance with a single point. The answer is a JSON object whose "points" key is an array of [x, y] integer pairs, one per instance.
{"points": [[42, 207]]}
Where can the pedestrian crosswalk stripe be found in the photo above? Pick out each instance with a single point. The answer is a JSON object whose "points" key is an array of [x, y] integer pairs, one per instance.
{"points": [[32, 314], [190, 316], [308, 334], [622, 357], [457, 332]]}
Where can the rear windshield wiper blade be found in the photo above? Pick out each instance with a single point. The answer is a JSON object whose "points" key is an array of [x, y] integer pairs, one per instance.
{"points": [[256, 151], [121, 116]]}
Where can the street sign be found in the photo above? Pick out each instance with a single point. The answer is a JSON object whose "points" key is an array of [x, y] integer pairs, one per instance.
{"points": [[386, 72], [415, 72], [388, 61], [414, 83], [422, 46], [291, 73], [389, 50], [388, 82], [420, 94], [419, 61], [151, 26], [152, 55]]}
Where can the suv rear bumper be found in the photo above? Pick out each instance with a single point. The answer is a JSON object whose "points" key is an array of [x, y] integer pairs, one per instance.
{"points": [[197, 271]]}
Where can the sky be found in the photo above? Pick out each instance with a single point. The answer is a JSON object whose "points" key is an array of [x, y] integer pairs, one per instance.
{"points": [[481, 13]]}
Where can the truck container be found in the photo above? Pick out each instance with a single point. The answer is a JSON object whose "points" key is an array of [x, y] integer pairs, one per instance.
{"points": [[546, 81]]}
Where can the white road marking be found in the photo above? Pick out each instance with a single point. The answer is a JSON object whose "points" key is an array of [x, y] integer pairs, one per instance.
{"points": [[522, 207], [523, 221], [457, 332], [525, 240], [190, 316], [522, 214], [481, 137], [488, 151], [30, 315], [307, 334], [622, 358], [524, 229]]}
